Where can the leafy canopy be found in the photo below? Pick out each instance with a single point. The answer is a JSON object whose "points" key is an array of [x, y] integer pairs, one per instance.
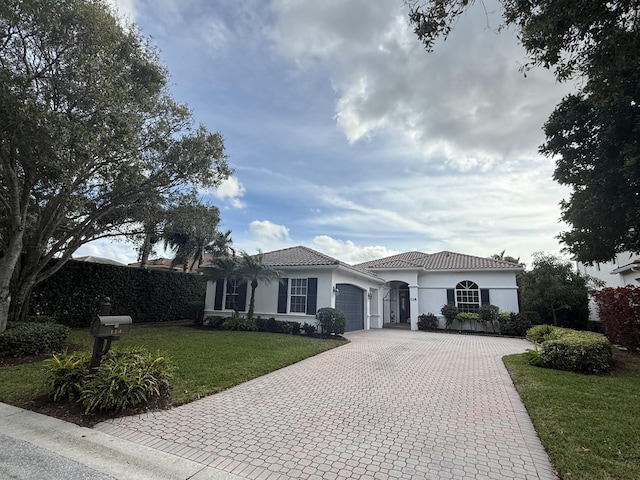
{"points": [[87, 130], [591, 134]]}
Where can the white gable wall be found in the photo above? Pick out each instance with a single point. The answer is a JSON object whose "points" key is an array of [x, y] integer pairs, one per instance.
{"points": [[503, 291]]}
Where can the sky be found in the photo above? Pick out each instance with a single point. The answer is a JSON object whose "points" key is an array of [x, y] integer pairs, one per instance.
{"points": [[346, 136]]}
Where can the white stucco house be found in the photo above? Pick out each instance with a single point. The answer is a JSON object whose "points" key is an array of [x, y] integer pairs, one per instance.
{"points": [[395, 289]]}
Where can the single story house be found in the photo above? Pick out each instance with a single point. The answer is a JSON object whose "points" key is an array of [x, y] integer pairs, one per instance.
{"points": [[395, 289]]}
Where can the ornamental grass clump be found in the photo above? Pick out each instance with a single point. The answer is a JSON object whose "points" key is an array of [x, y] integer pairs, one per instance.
{"points": [[126, 378], [566, 349]]}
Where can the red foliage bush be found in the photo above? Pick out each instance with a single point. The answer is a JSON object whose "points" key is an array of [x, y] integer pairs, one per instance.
{"points": [[620, 315]]}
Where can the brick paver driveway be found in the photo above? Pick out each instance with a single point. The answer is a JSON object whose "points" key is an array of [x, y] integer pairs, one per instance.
{"points": [[391, 404]]}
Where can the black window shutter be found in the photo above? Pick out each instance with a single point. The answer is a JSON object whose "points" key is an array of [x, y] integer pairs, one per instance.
{"points": [[217, 304], [282, 295], [242, 297], [484, 296], [451, 296], [312, 295]]}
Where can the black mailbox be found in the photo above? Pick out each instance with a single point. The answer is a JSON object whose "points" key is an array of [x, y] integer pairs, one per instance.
{"points": [[111, 326]]}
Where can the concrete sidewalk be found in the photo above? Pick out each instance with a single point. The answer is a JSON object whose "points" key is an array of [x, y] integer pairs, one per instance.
{"points": [[37, 447]]}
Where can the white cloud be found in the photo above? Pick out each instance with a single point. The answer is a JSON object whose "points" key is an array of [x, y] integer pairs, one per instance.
{"points": [[125, 8], [231, 191], [123, 252], [466, 102], [348, 251], [265, 230]]}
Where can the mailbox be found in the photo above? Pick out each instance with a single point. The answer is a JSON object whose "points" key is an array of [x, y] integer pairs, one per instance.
{"points": [[111, 326]]}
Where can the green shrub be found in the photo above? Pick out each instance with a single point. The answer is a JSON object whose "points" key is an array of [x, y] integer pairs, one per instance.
{"points": [[470, 317], [73, 295], [450, 312], [514, 324], [595, 326], [214, 321], [427, 321], [236, 322], [195, 311], [271, 325], [489, 315], [566, 349], [67, 374], [294, 328], [331, 321], [308, 328], [21, 339], [125, 379], [540, 333], [533, 316]]}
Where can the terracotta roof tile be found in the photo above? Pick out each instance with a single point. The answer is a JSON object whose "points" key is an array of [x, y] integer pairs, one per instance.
{"points": [[437, 261], [306, 257], [297, 256]]}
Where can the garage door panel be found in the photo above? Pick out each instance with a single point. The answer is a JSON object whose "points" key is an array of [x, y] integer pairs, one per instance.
{"points": [[350, 301]]}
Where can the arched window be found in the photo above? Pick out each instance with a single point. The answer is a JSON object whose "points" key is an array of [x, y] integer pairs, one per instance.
{"points": [[468, 296]]}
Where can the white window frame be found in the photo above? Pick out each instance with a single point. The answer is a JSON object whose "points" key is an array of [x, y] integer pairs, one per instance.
{"points": [[468, 296], [231, 290], [298, 290]]}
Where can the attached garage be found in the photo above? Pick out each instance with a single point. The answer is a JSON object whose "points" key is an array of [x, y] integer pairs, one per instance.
{"points": [[350, 301]]}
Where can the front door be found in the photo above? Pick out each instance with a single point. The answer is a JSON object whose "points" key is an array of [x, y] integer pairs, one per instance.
{"points": [[404, 306]]}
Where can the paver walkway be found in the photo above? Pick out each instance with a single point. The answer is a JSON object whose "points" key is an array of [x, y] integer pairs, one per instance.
{"points": [[391, 404]]}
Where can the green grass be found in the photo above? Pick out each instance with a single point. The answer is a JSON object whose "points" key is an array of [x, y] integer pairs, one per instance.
{"points": [[206, 361], [589, 424]]}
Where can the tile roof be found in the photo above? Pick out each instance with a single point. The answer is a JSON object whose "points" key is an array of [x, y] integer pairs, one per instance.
{"points": [[296, 257], [437, 261], [306, 257]]}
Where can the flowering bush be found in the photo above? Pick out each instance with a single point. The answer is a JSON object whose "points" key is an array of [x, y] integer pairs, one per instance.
{"points": [[620, 315]]}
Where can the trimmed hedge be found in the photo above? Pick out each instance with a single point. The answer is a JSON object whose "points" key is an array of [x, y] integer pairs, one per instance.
{"points": [[73, 295], [427, 321], [20, 339], [331, 321], [566, 349]]}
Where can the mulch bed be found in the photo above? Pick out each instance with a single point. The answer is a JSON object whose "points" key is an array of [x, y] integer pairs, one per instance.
{"points": [[74, 411]]}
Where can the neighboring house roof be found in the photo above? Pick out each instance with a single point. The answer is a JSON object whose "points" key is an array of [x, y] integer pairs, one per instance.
{"points": [[306, 257], [438, 261], [92, 259]]}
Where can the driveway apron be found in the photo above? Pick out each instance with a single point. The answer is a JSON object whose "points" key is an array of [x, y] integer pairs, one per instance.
{"points": [[390, 404]]}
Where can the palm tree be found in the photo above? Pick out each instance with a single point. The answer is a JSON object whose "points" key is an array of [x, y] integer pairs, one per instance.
{"points": [[252, 269], [191, 228], [221, 245], [223, 268]]}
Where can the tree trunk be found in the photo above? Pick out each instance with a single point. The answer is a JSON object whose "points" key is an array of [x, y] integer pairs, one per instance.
{"points": [[145, 251], [8, 265], [254, 285], [555, 318], [19, 309]]}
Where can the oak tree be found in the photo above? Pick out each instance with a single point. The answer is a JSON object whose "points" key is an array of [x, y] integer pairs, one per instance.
{"points": [[87, 129], [592, 134]]}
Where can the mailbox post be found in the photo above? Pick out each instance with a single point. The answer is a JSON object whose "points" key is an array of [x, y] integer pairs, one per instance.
{"points": [[106, 328]]}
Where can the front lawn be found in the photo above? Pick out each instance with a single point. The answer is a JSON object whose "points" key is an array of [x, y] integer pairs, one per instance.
{"points": [[589, 424], [206, 361]]}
